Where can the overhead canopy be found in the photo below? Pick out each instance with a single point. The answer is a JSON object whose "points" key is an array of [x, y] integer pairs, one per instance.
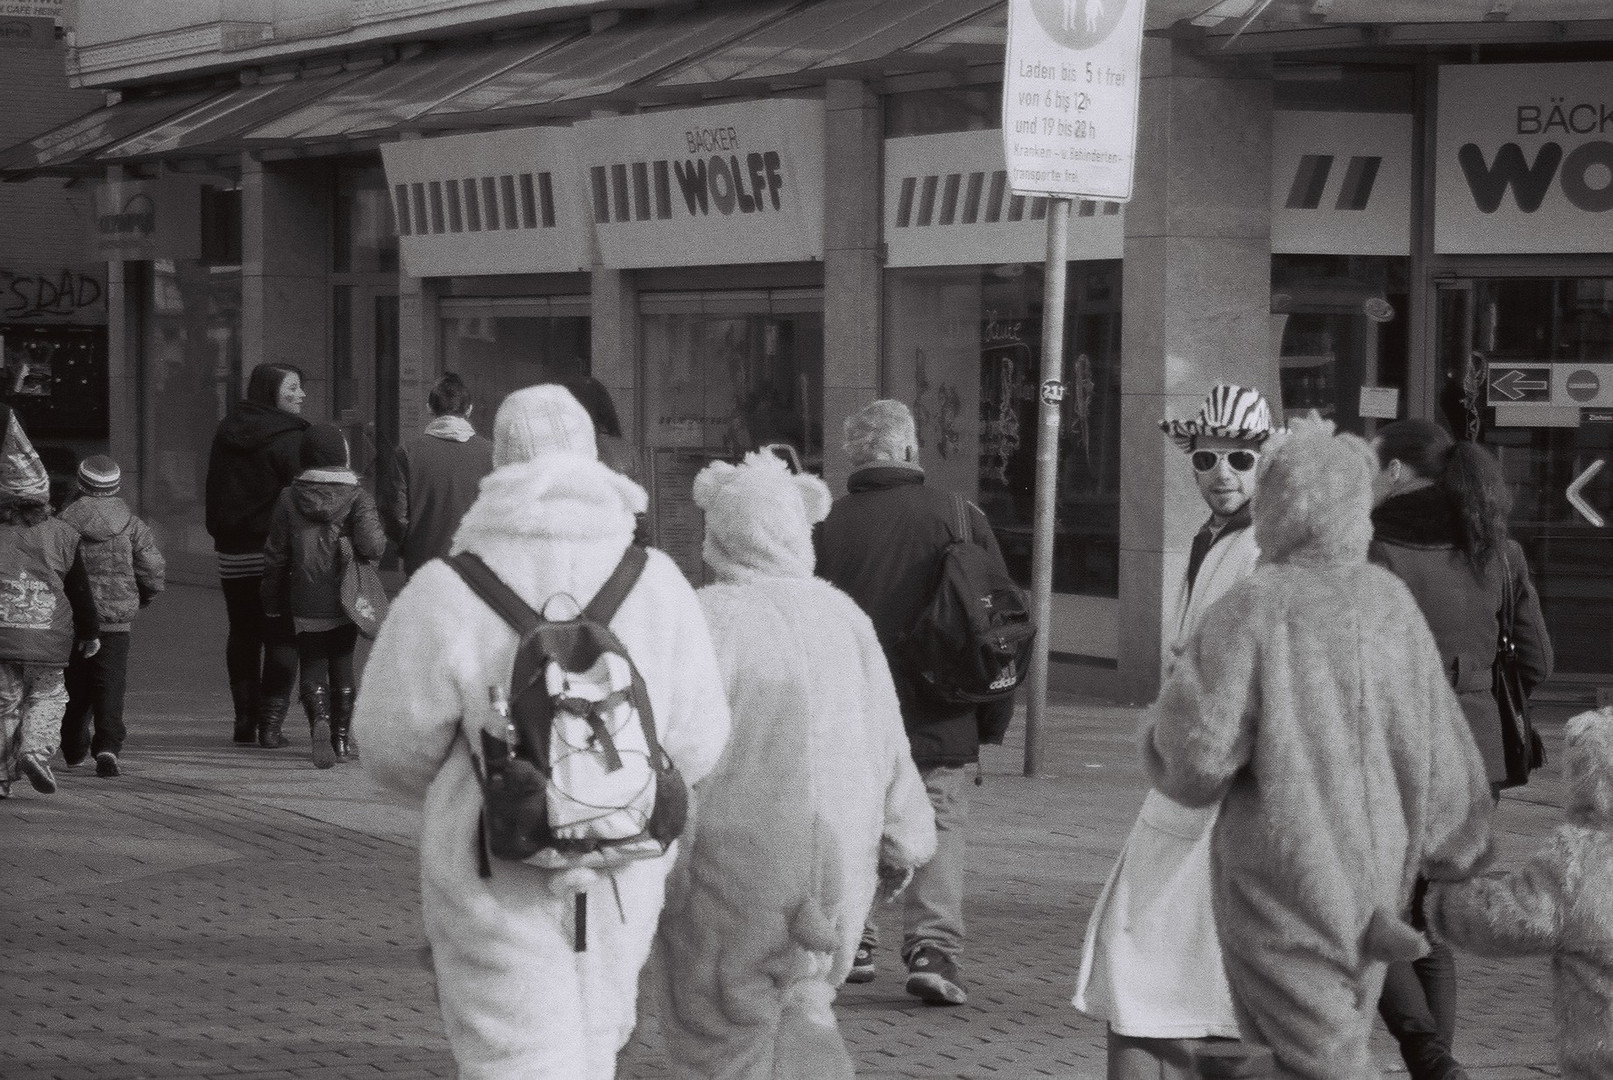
{"points": [[689, 54]]}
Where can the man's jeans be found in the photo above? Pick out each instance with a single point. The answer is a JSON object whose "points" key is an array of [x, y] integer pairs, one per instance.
{"points": [[933, 914]]}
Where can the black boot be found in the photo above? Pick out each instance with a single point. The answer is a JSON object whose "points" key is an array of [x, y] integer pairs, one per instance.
{"points": [[245, 695], [271, 716], [341, 725], [316, 703]]}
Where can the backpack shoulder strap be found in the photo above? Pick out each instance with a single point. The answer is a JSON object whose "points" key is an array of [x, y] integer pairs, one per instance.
{"points": [[602, 608], [493, 592], [961, 532]]}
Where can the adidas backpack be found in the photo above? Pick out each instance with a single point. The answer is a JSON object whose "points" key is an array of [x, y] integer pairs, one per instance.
{"points": [[971, 643], [579, 778]]}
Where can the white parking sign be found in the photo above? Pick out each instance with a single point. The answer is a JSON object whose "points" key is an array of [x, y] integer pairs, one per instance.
{"points": [[1070, 84]]}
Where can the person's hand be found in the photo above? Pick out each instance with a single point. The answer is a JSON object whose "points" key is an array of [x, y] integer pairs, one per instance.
{"points": [[892, 880], [90, 647]]}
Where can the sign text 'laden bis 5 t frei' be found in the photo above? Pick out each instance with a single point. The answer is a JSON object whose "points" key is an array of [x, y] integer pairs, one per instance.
{"points": [[1070, 83]]}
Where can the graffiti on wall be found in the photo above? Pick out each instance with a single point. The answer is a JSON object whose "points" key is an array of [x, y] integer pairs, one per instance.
{"points": [[63, 293]]}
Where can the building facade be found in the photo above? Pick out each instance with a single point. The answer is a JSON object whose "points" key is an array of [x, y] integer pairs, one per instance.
{"points": [[747, 219]]}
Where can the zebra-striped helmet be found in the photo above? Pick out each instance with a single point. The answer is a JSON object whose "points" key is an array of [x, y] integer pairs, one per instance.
{"points": [[1230, 412]]}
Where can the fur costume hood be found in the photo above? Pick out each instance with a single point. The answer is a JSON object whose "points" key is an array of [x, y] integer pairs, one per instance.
{"points": [[1313, 704], [759, 517], [1558, 903], [517, 999], [816, 789], [1313, 500]]}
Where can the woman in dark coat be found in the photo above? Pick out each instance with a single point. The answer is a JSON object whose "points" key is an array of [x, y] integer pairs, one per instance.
{"points": [[254, 456], [1440, 526]]}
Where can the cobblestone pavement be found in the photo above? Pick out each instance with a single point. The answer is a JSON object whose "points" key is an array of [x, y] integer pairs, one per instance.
{"points": [[220, 912]]}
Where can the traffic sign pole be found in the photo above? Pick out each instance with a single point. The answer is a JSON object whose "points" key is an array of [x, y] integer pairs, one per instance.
{"points": [[1049, 418]]}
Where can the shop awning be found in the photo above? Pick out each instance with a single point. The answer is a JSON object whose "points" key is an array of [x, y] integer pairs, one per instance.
{"points": [[395, 95], [594, 66], [70, 148], [222, 121], [828, 35]]}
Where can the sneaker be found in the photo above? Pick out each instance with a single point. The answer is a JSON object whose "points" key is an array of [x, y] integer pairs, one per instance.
{"points": [[106, 763], [932, 976], [37, 770], [73, 763], [862, 965]]}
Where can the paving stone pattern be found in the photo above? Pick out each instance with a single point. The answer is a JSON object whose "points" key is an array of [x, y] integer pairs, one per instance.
{"points": [[222, 912]]}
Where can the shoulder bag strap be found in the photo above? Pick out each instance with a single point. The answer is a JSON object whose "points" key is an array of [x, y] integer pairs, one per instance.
{"points": [[1506, 592], [602, 608], [960, 520], [493, 592]]}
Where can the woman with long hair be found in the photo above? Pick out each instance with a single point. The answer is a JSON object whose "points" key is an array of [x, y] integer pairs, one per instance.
{"points": [[1440, 524], [254, 456]]}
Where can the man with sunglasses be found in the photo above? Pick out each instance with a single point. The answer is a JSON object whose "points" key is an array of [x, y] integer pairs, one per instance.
{"points": [[1152, 965]]}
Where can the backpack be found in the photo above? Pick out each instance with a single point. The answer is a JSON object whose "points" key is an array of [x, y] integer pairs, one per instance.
{"points": [[971, 642], [580, 779]]}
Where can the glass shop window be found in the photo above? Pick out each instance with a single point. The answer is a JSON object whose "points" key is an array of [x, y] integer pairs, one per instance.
{"points": [[963, 349], [500, 344]]}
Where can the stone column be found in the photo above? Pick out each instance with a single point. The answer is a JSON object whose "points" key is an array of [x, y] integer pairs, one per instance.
{"points": [[125, 423], [285, 272], [1197, 285], [614, 338], [852, 263]]}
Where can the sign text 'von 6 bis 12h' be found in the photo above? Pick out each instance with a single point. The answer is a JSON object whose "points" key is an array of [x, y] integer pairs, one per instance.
{"points": [[1070, 83]]}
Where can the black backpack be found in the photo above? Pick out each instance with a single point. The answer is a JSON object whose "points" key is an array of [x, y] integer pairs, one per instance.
{"points": [[580, 778], [971, 643]]}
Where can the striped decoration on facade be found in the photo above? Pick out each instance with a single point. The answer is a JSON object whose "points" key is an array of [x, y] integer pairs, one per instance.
{"points": [[974, 198], [1310, 181], [475, 204]]}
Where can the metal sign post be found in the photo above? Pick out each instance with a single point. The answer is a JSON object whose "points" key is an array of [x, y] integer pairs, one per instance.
{"points": [[1070, 96], [1050, 416]]}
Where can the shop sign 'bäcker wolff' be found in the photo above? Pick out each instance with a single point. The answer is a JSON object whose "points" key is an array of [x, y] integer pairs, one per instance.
{"points": [[740, 183], [1524, 159]]}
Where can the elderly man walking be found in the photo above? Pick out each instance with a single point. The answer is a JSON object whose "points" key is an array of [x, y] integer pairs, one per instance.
{"points": [[881, 544], [1152, 966]]}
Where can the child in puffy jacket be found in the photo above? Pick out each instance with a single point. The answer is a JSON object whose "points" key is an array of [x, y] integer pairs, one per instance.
{"points": [[1560, 903], [46, 613], [302, 577], [126, 572]]}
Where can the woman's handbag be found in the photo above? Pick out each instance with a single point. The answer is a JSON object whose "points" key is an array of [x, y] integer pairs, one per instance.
{"points": [[1520, 743], [363, 598]]}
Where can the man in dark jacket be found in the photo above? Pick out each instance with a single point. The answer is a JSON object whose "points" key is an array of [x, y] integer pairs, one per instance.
{"points": [[882, 544], [434, 477]]}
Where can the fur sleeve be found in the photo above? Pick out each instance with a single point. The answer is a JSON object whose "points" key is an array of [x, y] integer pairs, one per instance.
{"points": [[908, 840], [1504, 914], [697, 728], [409, 706], [1200, 731]]}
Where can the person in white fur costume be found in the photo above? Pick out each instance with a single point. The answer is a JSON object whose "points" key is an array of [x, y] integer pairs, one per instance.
{"points": [[1559, 902], [518, 1002], [1313, 705], [816, 789]]}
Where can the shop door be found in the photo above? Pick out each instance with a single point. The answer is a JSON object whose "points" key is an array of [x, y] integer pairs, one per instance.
{"points": [[1525, 366], [725, 373], [364, 373], [502, 343]]}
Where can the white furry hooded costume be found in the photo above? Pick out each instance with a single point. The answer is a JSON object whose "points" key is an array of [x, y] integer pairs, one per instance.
{"points": [[816, 788], [1559, 902], [518, 1002], [1313, 705]]}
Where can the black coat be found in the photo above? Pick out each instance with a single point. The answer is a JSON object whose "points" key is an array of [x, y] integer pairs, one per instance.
{"points": [[425, 494], [882, 545], [254, 456], [1417, 537]]}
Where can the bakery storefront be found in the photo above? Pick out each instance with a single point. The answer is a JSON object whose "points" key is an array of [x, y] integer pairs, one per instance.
{"points": [[962, 346], [1522, 280]]}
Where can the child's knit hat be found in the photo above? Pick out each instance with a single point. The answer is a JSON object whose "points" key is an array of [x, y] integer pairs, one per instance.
{"points": [[99, 475], [323, 447], [22, 475]]}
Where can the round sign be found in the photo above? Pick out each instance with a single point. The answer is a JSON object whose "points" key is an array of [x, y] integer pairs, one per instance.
{"points": [[1052, 392], [1584, 385], [1079, 24]]}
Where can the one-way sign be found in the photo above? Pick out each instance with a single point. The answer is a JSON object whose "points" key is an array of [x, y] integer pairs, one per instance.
{"points": [[1520, 384]]}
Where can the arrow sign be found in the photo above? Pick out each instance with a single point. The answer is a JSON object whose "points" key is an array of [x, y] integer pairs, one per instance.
{"points": [[1577, 501], [1511, 385]]}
